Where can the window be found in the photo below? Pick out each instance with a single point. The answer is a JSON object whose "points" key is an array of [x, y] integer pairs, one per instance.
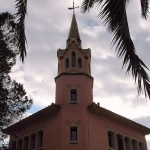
{"points": [[73, 133], [58, 68], [80, 63], [32, 141], [66, 63], [19, 144], [73, 94], [134, 144], [40, 139], [111, 139], [89, 68], [119, 142], [14, 145], [127, 143], [73, 59], [141, 146], [25, 145]]}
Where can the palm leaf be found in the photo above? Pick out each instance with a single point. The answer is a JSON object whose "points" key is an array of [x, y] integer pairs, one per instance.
{"points": [[21, 6], [145, 8], [113, 14]]}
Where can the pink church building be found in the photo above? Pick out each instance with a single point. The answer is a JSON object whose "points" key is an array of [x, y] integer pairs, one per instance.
{"points": [[74, 121]]}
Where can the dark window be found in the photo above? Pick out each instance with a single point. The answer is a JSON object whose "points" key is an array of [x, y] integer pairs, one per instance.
{"points": [[58, 68], [141, 146], [89, 68], [110, 139], [134, 144], [66, 63], [26, 140], [73, 133], [19, 144], [32, 141], [80, 63], [127, 143], [73, 59], [40, 138], [119, 142], [73, 95], [14, 145]]}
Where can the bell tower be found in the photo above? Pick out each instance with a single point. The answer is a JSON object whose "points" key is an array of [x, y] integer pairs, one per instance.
{"points": [[74, 85], [73, 65], [74, 59]]}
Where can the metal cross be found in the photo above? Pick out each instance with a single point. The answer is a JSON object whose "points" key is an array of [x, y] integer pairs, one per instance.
{"points": [[73, 7]]}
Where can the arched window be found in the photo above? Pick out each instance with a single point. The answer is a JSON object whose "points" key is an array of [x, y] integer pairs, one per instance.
{"points": [[66, 63], [14, 145], [26, 142], [73, 59], [119, 142], [89, 68], [111, 139], [80, 63], [58, 68], [19, 144], [134, 144], [39, 139], [141, 146], [127, 143], [32, 141]]}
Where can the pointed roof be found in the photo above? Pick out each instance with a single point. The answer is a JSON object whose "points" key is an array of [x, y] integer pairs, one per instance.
{"points": [[74, 33]]}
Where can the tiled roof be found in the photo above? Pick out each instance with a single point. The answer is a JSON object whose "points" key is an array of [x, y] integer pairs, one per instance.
{"points": [[74, 32]]}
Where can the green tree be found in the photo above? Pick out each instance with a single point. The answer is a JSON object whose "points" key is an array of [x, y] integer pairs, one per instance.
{"points": [[113, 15], [13, 99]]}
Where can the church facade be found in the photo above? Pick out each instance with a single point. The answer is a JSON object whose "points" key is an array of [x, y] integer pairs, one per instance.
{"points": [[75, 122]]}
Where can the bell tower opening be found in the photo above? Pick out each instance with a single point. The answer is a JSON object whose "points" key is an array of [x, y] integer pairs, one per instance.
{"points": [[66, 63], [80, 62], [73, 59]]}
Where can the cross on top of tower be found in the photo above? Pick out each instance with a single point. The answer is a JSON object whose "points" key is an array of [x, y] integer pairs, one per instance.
{"points": [[73, 8]]}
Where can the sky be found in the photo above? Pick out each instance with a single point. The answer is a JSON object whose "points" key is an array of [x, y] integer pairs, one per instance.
{"points": [[47, 27]]}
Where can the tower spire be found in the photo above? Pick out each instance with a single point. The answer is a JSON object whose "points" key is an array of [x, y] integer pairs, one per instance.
{"points": [[74, 33]]}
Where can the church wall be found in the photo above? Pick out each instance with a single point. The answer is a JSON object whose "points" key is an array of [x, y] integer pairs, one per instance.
{"points": [[50, 128], [98, 132], [74, 114], [52, 133], [83, 85]]}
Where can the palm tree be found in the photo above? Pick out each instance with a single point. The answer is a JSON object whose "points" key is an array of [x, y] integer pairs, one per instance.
{"points": [[21, 6], [113, 15]]}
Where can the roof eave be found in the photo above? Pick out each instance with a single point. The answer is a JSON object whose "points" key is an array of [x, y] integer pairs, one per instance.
{"points": [[97, 110], [47, 112]]}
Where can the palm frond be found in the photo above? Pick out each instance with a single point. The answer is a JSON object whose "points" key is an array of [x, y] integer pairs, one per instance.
{"points": [[145, 8], [113, 14], [87, 4], [21, 6]]}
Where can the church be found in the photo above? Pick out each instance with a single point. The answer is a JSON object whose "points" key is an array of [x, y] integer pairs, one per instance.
{"points": [[74, 121]]}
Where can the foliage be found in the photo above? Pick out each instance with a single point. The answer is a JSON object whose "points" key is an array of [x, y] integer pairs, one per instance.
{"points": [[113, 14], [13, 99], [21, 6]]}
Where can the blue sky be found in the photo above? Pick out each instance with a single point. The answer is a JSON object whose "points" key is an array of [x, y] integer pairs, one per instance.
{"points": [[47, 28]]}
